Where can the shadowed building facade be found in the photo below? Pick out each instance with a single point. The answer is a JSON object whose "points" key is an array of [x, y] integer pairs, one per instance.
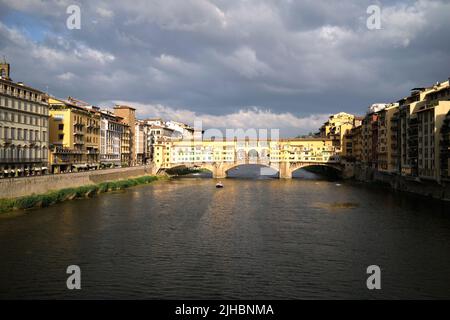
{"points": [[128, 115]]}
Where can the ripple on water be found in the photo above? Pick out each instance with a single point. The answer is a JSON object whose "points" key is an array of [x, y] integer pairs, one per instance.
{"points": [[252, 239]]}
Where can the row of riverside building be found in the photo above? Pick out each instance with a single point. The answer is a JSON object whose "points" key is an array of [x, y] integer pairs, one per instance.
{"points": [[409, 137], [41, 134]]}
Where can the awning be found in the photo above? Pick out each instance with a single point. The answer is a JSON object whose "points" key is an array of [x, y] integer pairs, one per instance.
{"points": [[44, 168], [80, 166]]}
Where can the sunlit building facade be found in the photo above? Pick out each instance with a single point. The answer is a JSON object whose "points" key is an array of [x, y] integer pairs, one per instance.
{"points": [[74, 137], [23, 128]]}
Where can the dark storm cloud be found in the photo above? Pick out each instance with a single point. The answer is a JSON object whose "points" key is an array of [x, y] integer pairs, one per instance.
{"points": [[287, 58]]}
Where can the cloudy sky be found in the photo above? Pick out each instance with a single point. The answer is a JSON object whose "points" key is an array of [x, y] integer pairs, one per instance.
{"points": [[249, 63]]}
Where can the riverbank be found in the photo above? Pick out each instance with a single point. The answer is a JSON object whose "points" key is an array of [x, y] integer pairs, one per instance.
{"points": [[27, 186], [425, 188], [57, 196]]}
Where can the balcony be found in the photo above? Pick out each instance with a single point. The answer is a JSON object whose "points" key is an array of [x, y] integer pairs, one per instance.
{"points": [[66, 151], [62, 161]]}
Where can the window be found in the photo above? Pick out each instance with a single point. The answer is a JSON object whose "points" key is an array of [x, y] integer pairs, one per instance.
{"points": [[60, 136], [60, 126]]}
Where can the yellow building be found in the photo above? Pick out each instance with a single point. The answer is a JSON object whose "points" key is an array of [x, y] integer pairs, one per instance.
{"points": [[445, 149], [336, 127], [352, 145], [430, 120], [387, 142], [74, 136], [369, 141], [125, 153], [422, 116]]}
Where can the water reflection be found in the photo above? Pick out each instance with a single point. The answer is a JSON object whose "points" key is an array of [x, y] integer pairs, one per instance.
{"points": [[255, 238]]}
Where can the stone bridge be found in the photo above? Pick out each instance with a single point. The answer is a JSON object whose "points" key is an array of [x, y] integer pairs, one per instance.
{"points": [[284, 156]]}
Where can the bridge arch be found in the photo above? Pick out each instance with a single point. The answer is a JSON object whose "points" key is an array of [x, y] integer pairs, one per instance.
{"points": [[337, 168], [172, 169], [264, 169]]}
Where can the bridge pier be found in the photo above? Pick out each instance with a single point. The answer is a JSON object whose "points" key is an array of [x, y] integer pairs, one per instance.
{"points": [[285, 170], [219, 170]]}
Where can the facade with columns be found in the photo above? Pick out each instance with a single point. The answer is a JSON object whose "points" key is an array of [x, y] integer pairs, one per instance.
{"points": [[23, 128]]}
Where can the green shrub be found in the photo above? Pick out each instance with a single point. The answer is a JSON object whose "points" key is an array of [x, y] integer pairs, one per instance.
{"points": [[27, 202], [7, 205]]}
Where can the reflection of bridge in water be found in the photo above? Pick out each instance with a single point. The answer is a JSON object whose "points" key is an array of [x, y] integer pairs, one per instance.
{"points": [[219, 156]]}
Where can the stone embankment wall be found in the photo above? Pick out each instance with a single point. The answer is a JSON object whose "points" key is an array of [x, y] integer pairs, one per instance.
{"points": [[24, 186], [407, 184]]}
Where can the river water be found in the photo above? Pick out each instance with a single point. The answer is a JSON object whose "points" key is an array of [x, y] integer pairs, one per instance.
{"points": [[253, 239]]}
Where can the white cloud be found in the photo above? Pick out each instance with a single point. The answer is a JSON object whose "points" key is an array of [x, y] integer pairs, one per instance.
{"points": [[251, 117], [66, 76], [245, 62], [104, 12], [84, 52], [295, 57], [187, 15]]}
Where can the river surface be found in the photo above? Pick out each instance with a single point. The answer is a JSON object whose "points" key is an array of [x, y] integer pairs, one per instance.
{"points": [[253, 239]]}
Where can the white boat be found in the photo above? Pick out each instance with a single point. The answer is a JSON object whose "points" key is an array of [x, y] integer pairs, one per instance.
{"points": [[219, 185]]}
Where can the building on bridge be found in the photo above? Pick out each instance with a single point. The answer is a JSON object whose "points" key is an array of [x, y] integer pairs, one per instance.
{"points": [[219, 156]]}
